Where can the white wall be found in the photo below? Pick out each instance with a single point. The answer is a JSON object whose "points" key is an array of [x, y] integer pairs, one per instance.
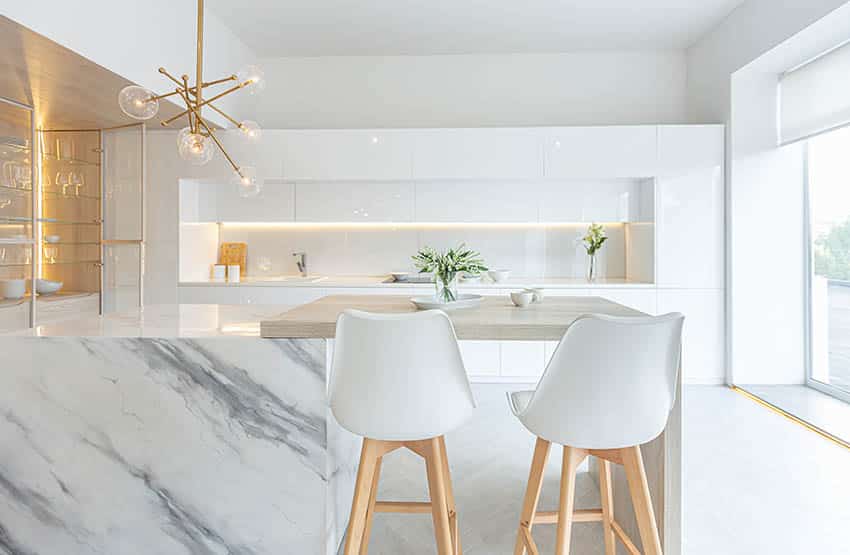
{"points": [[583, 88], [133, 39], [752, 29]]}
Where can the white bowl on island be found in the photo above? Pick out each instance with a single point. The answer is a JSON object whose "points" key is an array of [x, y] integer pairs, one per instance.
{"points": [[47, 286], [13, 288], [499, 275]]}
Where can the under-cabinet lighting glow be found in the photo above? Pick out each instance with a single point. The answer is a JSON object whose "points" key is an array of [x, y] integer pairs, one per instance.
{"points": [[414, 225]]}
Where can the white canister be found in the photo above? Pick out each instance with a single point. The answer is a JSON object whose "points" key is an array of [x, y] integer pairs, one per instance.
{"points": [[219, 272], [13, 288], [233, 273]]}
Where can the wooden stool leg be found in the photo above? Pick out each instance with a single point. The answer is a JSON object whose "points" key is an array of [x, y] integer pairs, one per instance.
{"points": [[532, 493], [569, 466], [437, 489], [362, 494], [639, 489], [450, 499], [370, 511], [606, 492]]}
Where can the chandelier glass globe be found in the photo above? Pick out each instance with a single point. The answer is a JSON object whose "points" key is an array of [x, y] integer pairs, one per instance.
{"points": [[138, 102], [251, 130], [182, 135], [248, 184], [196, 149], [255, 76]]}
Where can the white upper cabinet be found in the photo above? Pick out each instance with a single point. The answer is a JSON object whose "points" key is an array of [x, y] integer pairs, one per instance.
{"points": [[601, 152], [458, 201], [346, 155], [263, 154], [336, 201], [688, 148], [477, 154], [689, 226]]}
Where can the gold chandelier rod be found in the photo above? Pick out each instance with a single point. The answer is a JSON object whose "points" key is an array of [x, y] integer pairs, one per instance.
{"points": [[200, 60]]}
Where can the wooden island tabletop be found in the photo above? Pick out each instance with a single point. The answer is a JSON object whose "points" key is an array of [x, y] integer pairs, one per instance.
{"points": [[495, 319]]}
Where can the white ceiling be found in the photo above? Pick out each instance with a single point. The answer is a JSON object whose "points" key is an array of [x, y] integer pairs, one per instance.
{"points": [[420, 27]]}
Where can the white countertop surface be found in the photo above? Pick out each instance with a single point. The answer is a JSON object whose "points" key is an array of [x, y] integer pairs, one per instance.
{"points": [[326, 282], [172, 321]]}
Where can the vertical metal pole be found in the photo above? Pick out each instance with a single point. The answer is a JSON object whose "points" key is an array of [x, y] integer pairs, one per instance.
{"points": [[102, 266], [200, 67], [144, 222], [35, 181]]}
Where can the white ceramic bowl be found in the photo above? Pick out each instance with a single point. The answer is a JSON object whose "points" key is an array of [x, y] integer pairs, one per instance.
{"points": [[46, 286], [400, 276], [522, 298], [536, 293], [499, 275], [471, 278], [51, 239], [13, 288]]}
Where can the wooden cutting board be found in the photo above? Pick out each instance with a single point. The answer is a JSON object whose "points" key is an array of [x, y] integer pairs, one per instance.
{"points": [[234, 253]]}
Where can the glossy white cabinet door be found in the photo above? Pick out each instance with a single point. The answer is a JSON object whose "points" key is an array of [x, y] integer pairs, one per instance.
{"points": [[200, 294], [601, 152], [689, 230], [264, 155], [481, 358], [644, 300], [122, 277], [346, 155], [275, 203], [703, 335], [477, 154], [523, 359], [612, 200], [476, 202], [687, 148], [355, 202], [286, 296]]}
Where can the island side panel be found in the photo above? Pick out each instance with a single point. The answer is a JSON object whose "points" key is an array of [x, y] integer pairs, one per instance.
{"points": [[138, 446]]}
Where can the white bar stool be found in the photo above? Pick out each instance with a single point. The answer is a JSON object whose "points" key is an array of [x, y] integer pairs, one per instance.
{"points": [[608, 389], [398, 380]]}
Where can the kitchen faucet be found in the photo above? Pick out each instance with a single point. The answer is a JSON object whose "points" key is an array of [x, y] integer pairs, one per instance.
{"points": [[301, 262]]}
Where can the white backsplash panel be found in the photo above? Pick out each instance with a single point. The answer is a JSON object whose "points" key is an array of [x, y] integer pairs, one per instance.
{"points": [[527, 250]]}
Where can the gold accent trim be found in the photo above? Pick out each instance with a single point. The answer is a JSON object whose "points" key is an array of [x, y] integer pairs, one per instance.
{"points": [[812, 428]]}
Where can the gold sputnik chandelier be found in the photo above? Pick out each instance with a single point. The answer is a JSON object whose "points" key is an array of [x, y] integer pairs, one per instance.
{"points": [[196, 143]]}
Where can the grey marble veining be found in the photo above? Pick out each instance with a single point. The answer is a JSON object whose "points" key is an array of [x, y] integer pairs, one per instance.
{"points": [[196, 446]]}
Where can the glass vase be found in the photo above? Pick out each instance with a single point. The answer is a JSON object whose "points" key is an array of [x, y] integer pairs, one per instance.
{"points": [[446, 285], [591, 268]]}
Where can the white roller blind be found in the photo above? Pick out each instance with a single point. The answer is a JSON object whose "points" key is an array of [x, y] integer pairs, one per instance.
{"points": [[815, 97]]}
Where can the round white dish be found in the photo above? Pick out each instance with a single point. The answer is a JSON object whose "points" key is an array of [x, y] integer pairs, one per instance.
{"points": [[463, 301], [499, 275], [13, 288], [47, 287], [522, 298], [400, 276], [537, 293]]}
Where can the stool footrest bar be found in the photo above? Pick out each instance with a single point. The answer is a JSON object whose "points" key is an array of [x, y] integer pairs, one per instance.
{"points": [[403, 507]]}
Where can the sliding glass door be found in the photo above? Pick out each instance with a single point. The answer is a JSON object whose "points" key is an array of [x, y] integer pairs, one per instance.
{"points": [[828, 223]]}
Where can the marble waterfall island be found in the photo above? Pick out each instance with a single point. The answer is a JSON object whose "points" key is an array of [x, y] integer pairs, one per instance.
{"points": [[209, 444], [206, 429]]}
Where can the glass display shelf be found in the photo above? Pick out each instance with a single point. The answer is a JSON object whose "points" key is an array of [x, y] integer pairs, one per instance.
{"points": [[21, 189], [67, 262], [63, 196], [68, 222], [69, 161]]}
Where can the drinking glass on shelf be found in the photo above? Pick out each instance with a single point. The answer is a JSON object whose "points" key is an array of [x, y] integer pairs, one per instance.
{"points": [[50, 254], [78, 181], [63, 181], [65, 148]]}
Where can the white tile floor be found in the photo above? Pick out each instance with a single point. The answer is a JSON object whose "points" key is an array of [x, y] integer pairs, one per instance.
{"points": [[754, 483]]}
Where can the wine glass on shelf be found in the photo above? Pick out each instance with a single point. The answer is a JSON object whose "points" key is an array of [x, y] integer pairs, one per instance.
{"points": [[63, 182]]}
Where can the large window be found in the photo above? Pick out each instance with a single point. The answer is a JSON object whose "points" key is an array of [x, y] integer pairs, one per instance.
{"points": [[829, 247]]}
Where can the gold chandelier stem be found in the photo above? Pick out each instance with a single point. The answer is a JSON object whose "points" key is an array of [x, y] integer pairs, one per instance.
{"points": [[185, 94], [211, 99], [230, 119], [199, 81], [221, 148], [163, 71]]}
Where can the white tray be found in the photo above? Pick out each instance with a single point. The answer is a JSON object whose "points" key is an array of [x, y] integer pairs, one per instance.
{"points": [[463, 301]]}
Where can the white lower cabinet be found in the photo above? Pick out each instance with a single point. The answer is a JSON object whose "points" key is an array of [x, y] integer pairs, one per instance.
{"points": [[481, 358], [289, 296], [523, 360], [14, 317], [644, 300], [703, 334], [202, 294]]}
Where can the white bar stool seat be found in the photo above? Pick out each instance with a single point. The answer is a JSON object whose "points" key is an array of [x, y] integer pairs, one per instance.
{"points": [[398, 380], [608, 389]]}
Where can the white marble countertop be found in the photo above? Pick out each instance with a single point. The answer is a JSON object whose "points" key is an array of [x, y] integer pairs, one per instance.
{"points": [[327, 282], [171, 321]]}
